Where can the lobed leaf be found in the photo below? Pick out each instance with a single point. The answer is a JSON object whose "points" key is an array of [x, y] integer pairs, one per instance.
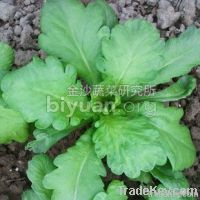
{"points": [[30, 195], [180, 56], [144, 178], [2, 102], [72, 33], [40, 92], [179, 90], [38, 167], [13, 126], [132, 54], [6, 59], [115, 191], [78, 172], [149, 136], [45, 139], [131, 148], [170, 180], [174, 137]]}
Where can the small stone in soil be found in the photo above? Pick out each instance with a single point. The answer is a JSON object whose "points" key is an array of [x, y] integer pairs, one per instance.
{"points": [[183, 103], [6, 35], [128, 2], [197, 120], [30, 8], [17, 30], [26, 20], [27, 2], [23, 57], [166, 14], [192, 109], [26, 39], [4, 197], [11, 2], [198, 4], [198, 72], [152, 2], [7, 11], [36, 32], [188, 8], [16, 189], [195, 131], [122, 3], [36, 20], [17, 15]]}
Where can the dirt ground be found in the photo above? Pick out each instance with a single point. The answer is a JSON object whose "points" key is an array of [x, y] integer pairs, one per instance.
{"points": [[20, 28]]}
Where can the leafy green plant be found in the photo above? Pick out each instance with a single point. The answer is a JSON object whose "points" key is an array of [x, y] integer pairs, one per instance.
{"points": [[138, 135]]}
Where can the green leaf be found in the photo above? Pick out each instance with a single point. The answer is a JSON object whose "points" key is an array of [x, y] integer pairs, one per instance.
{"points": [[45, 139], [38, 167], [40, 91], [170, 180], [110, 18], [179, 90], [145, 138], [115, 191], [30, 195], [71, 33], [135, 54], [174, 137], [13, 126], [180, 56], [145, 178], [78, 172], [6, 59], [132, 54], [130, 144], [2, 102]]}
